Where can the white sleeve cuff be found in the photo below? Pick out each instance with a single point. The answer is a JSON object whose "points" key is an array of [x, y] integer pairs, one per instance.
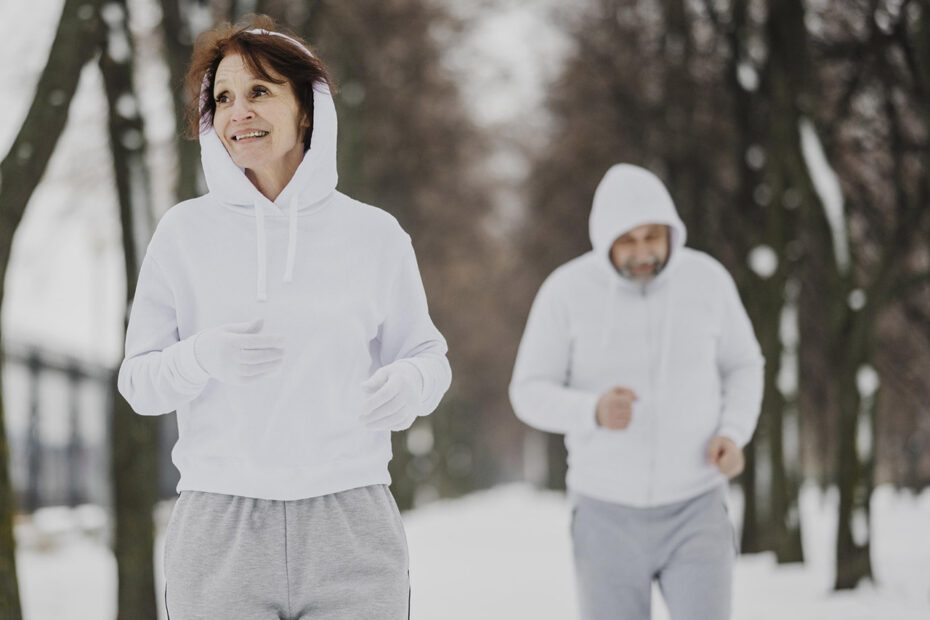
{"points": [[188, 366]]}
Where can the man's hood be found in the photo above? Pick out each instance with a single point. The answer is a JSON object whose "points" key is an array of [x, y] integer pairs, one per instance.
{"points": [[313, 182], [629, 196]]}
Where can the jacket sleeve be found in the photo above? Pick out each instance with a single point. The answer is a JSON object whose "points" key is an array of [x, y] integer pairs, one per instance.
{"points": [[741, 366], [159, 372], [407, 333], [539, 389]]}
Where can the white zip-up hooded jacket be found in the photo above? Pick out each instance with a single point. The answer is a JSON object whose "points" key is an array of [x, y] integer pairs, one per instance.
{"points": [[337, 278], [682, 342]]}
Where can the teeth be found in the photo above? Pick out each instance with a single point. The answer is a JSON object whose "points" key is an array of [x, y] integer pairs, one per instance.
{"points": [[251, 134]]}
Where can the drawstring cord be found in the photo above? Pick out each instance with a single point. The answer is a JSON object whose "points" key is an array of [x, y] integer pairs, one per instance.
{"points": [[261, 248], [291, 241], [261, 293]]}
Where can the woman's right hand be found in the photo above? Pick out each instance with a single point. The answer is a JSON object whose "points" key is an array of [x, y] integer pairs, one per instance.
{"points": [[237, 353]]}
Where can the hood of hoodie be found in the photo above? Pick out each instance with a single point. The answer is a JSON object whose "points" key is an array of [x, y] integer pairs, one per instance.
{"points": [[313, 182], [627, 197]]}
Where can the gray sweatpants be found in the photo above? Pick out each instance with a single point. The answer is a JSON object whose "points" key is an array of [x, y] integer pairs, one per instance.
{"points": [[337, 557], [688, 547]]}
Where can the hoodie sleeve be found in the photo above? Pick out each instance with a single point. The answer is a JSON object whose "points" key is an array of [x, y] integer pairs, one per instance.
{"points": [[159, 371], [408, 335], [741, 366], [538, 390]]}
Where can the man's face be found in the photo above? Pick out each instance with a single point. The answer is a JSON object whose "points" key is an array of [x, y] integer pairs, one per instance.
{"points": [[640, 253]]}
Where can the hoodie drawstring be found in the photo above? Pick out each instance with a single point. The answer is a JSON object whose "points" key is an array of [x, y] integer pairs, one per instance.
{"points": [[261, 248], [291, 241]]}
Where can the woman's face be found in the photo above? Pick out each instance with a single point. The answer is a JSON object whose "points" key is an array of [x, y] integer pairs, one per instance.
{"points": [[268, 113]]}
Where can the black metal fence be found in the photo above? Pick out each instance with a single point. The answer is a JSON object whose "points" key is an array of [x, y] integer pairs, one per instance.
{"points": [[58, 411]]}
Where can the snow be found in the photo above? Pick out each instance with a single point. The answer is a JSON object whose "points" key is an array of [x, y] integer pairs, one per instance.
{"points": [[857, 299], [763, 261], [502, 553], [748, 76], [505, 553], [126, 106], [419, 439], [755, 157], [827, 185], [867, 380]]}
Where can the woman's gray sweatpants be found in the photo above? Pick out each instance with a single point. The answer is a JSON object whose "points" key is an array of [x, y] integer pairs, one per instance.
{"points": [[688, 546], [337, 557]]}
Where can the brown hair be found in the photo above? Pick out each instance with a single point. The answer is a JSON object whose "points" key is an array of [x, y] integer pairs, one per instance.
{"points": [[260, 53]]}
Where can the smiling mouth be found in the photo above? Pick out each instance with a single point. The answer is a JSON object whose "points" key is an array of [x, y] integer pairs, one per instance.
{"points": [[252, 135]]}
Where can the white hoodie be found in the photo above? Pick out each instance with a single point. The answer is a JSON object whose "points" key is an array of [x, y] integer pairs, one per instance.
{"points": [[350, 300], [682, 342]]}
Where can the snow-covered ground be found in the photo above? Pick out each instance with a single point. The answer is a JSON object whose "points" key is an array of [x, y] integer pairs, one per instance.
{"points": [[505, 554]]}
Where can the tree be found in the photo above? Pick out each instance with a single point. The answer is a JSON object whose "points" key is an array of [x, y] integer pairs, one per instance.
{"points": [[873, 122], [76, 41], [134, 437], [178, 38]]}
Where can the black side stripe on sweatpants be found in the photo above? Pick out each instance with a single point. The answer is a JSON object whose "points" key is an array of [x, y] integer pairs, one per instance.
{"points": [[168, 613]]}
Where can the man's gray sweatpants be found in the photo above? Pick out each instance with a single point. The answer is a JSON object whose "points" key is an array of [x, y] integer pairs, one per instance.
{"points": [[337, 557], [688, 546]]}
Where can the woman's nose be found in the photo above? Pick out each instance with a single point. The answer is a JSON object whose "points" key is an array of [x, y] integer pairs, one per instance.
{"points": [[241, 110]]}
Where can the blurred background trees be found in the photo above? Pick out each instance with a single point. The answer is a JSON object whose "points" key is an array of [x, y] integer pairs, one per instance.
{"points": [[794, 139], [792, 135]]}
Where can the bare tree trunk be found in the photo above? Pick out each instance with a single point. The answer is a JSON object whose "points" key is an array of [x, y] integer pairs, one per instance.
{"points": [[76, 41], [882, 265], [853, 560], [9, 585], [557, 461], [178, 41], [784, 84], [764, 128], [135, 437]]}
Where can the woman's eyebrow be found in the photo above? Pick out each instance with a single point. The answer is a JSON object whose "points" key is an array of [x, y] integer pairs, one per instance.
{"points": [[221, 81]]}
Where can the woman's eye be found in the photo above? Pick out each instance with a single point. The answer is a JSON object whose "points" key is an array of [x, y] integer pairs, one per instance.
{"points": [[221, 99], [259, 90]]}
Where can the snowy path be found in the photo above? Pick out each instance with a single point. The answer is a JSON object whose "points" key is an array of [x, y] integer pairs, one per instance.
{"points": [[505, 554]]}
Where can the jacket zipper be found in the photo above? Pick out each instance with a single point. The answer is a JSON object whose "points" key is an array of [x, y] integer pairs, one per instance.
{"points": [[653, 362]]}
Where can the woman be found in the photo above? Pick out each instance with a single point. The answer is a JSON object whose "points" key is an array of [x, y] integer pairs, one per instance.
{"points": [[286, 387]]}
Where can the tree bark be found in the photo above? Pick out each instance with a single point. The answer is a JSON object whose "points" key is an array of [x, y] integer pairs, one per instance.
{"points": [[134, 437], [76, 41], [178, 41]]}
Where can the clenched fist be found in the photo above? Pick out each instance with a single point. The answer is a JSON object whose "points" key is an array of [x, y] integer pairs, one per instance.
{"points": [[726, 455], [615, 408]]}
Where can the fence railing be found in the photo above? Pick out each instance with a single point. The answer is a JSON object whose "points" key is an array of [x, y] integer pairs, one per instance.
{"points": [[58, 411]]}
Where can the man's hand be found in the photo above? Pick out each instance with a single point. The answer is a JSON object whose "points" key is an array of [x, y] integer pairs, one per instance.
{"points": [[615, 408], [726, 455]]}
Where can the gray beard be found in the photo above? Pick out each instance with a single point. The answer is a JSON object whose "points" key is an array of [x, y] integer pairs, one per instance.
{"points": [[627, 272]]}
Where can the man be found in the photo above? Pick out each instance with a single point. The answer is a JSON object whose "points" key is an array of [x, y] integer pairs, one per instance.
{"points": [[642, 354]]}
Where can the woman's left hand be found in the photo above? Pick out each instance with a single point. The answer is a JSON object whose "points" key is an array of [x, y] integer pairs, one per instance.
{"points": [[393, 397]]}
